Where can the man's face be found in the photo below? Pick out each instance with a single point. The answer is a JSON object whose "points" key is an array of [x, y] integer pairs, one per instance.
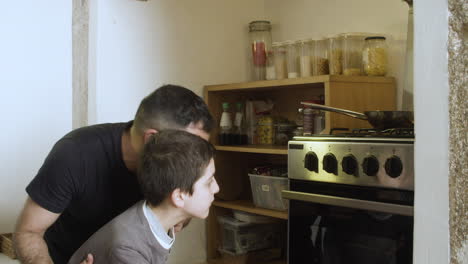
{"points": [[198, 204], [197, 129]]}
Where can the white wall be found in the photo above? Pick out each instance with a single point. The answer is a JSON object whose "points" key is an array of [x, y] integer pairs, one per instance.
{"points": [[35, 85], [431, 243], [302, 19], [136, 46]]}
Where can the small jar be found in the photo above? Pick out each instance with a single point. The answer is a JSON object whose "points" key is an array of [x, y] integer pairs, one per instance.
{"points": [[260, 42], [304, 58], [319, 122], [308, 121], [265, 130], [270, 66], [291, 56], [320, 57], [335, 54], [352, 54], [374, 56], [279, 50]]}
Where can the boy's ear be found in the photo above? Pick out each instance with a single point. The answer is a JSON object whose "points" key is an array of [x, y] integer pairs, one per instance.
{"points": [[148, 133], [178, 198]]}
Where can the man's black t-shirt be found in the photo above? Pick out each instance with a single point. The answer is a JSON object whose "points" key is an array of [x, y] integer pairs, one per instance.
{"points": [[84, 179]]}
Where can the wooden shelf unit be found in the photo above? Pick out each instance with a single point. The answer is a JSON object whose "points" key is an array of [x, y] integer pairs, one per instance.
{"points": [[357, 93]]}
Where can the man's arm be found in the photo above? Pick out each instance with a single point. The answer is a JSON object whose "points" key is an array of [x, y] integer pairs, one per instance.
{"points": [[28, 240]]}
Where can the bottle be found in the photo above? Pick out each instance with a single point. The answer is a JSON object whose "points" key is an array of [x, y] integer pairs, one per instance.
{"points": [[240, 130], [260, 41], [225, 125]]}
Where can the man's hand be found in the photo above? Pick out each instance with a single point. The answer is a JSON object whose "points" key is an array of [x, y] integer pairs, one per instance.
{"points": [[28, 238], [182, 225], [89, 259]]}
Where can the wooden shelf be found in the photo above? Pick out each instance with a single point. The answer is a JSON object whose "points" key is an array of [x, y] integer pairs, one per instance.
{"points": [[258, 85], [249, 207], [264, 149]]}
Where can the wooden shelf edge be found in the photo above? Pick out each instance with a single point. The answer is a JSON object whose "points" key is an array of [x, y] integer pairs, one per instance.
{"points": [[249, 207], [297, 81], [264, 149]]}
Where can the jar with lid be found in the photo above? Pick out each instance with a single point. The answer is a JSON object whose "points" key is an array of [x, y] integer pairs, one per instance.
{"points": [[304, 57], [352, 53], [265, 130], [335, 54], [320, 57], [260, 42], [280, 60], [374, 56], [291, 55]]}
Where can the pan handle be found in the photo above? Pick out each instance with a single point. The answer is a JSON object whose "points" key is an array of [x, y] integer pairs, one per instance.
{"points": [[336, 110]]}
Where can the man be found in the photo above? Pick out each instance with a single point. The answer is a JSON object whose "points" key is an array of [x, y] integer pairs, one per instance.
{"points": [[88, 177], [176, 175]]}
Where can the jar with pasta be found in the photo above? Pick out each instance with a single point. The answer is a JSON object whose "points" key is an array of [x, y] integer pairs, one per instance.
{"points": [[375, 56], [265, 130], [352, 53], [335, 54], [320, 57]]}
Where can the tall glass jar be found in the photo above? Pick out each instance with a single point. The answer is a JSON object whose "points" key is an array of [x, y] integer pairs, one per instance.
{"points": [[280, 60], [304, 58], [374, 56], [320, 57], [335, 54], [291, 55], [260, 42], [352, 54]]}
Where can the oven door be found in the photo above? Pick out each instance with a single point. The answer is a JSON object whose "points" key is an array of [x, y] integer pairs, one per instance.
{"points": [[335, 224]]}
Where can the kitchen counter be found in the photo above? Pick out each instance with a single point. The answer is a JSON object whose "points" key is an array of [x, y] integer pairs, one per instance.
{"points": [[4, 259]]}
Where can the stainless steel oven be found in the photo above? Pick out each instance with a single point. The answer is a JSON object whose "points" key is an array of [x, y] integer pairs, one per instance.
{"points": [[350, 199]]}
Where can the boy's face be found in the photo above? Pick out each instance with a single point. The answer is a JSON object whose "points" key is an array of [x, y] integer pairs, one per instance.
{"points": [[198, 204]]}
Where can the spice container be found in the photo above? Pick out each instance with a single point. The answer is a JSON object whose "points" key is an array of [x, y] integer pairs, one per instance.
{"points": [[352, 54], [279, 50], [265, 130], [304, 58], [374, 56], [260, 42], [308, 123], [291, 55], [320, 58], [335, 54]]}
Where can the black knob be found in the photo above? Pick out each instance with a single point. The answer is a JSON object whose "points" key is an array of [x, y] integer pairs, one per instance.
{"points": [[393, 166], [349, 164], [330, 164], [370, 165], [311, 161]]}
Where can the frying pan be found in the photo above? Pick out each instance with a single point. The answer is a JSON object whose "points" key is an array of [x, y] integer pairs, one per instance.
{"points": [[378, 119]]}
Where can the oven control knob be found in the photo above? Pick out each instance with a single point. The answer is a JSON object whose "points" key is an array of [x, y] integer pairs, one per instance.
{"points": [[349, 164], [393, 166], [370, 165], [311, 161], [330, 164]]}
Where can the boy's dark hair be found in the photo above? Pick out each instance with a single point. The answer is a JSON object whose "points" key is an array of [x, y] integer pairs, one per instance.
{"points": [[172, 159], [172, 107]]}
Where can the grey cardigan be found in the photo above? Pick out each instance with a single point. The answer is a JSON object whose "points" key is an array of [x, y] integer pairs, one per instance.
{"points": [[125, 239]]}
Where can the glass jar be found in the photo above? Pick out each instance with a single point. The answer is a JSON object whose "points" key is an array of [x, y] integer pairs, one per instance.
{"points": [[335, 54], [270, 66], [352, 54], [320, 57], [265, 130], [260, 42], [304, 58], [374, 56], [280, 60], [291, 55]]}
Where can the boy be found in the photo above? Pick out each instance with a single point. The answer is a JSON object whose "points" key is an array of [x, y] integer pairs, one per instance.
{"points": [[176, 176]]}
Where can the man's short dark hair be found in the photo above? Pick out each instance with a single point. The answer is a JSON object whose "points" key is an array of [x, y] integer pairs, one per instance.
{"points": [[172, 107], [172, 159]]}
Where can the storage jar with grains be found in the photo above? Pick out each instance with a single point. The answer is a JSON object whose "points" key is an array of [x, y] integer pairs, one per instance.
{"points": [[279, 50], [260, 42], [320, 57], [374, 56], [335, 54], [352, 53], [291, 55], [304, 58], [265, 130]]}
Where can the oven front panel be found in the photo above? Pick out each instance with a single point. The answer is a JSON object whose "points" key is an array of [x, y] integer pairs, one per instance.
{"points": [[306, 161]]}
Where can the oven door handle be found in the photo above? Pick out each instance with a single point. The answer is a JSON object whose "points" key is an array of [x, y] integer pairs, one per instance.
{"points": [[349, 202]]}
